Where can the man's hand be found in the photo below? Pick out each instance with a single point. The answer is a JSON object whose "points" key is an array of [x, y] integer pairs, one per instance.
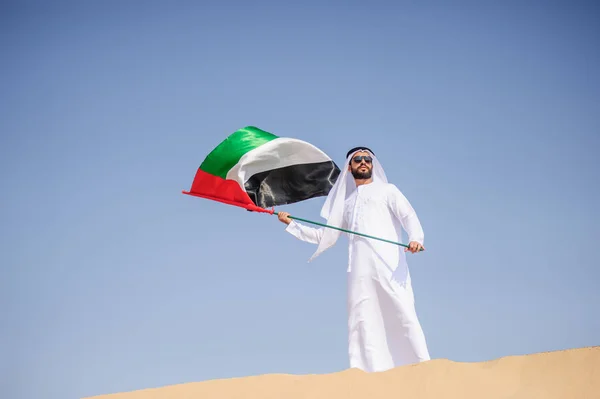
{"points": [[414, 247], [284, 217]]}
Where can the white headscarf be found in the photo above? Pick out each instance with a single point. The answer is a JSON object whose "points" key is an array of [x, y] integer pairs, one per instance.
{"points": [[333, 209]]}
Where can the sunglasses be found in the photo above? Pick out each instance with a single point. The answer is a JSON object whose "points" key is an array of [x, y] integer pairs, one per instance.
{"points": [[367, 159]]}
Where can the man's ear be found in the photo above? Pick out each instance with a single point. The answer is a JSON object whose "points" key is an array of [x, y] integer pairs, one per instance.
{"points": [[349, 168]]}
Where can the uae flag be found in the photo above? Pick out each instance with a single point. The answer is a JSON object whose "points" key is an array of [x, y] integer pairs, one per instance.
{"points": [[254, 169]]}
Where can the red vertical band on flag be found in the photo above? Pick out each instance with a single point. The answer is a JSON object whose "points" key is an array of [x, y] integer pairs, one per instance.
{"points": [[218, 189]]}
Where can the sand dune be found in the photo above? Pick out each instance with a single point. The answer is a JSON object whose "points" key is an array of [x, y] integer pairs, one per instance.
{"points": [[572, 374]]}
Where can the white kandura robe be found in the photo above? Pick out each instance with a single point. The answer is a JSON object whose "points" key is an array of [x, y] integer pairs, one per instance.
{"points": [[384, 331]]}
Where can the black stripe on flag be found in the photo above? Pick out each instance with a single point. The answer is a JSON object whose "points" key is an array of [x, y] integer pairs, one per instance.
{"points": [[292, 183]]}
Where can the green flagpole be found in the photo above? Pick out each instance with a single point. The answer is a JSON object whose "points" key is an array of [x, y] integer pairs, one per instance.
{"points": [[345, 231]]}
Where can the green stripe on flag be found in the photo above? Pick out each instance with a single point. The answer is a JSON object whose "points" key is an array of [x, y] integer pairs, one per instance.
{"points": [[227, 154]]}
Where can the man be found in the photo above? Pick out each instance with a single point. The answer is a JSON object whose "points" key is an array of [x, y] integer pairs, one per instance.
{"points": [[384, 331]]}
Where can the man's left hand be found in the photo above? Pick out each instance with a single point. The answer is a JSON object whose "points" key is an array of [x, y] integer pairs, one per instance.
{"points": [[414, 247]]}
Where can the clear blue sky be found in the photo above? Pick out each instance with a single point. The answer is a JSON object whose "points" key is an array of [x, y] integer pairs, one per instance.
{"points": [[486, 116]]}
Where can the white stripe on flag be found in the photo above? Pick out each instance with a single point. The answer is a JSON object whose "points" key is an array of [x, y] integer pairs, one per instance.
{"points": [[275, 154]]}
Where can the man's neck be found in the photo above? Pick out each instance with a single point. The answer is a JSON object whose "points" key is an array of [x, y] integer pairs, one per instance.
{"points": [[360, 182]]}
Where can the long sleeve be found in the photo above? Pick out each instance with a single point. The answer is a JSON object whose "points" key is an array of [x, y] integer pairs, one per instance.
{"points": [[405, 213], [304, 233]]}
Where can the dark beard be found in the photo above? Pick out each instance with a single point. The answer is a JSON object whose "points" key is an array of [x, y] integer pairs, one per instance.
{"points": [[362, 175]]}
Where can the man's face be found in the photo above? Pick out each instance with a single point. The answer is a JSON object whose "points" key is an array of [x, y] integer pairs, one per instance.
{"points": [[363, 169]]}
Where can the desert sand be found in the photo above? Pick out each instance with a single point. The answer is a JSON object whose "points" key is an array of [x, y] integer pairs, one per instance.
{"points": [[572, 374]]}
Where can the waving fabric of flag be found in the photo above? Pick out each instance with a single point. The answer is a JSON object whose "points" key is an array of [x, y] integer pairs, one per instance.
{"points": [[254, 169]]}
